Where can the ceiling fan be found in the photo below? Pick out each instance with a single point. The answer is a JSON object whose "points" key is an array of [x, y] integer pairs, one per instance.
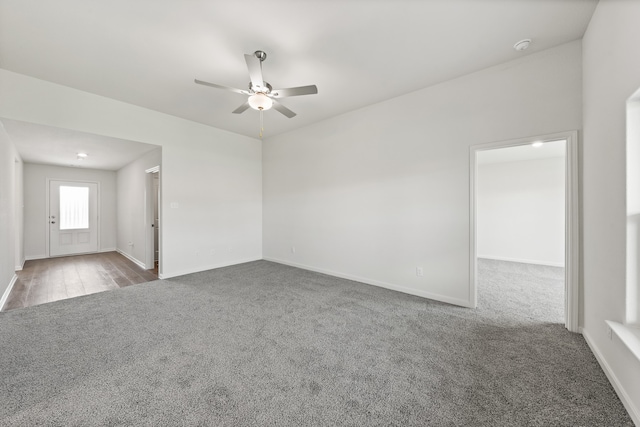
{"points": [[261, 95]]}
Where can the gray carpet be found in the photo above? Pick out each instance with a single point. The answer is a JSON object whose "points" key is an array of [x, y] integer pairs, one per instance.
{"points": [[264, 344]]}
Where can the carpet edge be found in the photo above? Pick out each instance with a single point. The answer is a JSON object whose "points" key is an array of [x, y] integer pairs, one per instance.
{"points": [[378, 283]]}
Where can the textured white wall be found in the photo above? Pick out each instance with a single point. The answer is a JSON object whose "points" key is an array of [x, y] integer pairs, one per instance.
{"points": [[132, 186], [520, 211], [611, 70], [35, 209], [377, 192], [10, 226], [212, 176]]}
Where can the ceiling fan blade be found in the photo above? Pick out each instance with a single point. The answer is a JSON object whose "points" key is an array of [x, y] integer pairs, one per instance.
{"points": [[232, 89], [294, 91], [255, 70], [284, 110], [242, 108]]}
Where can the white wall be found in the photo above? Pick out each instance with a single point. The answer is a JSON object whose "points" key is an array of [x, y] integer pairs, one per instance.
{"points": [[520, 211], [377, 192], [611, 70], [132, 188], [212, 176], [35, 209], [10, 227]]}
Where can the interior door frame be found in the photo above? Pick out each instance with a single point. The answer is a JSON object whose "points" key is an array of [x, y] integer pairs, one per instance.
{"points": [[572, 220], [149, 220], [48, 210], [18, 214]]}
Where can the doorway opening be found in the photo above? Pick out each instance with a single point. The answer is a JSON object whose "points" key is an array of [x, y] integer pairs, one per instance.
{"points": [[632, 297], [524, 224]]}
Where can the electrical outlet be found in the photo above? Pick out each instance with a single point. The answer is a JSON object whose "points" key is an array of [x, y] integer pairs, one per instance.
{"points": [[609, 332], [293, 249], [419, 271]]}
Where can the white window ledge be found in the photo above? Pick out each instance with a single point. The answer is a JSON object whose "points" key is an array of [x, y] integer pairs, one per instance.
{"points": [[630, 336]]}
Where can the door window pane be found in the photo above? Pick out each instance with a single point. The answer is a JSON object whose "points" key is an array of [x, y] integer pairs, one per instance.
{"points": [[74, 207]]}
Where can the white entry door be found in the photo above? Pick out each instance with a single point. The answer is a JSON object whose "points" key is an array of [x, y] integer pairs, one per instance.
{"points": [[73, 217]]}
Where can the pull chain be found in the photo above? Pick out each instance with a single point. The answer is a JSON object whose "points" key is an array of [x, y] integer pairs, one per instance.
{"points": [[261, 124]]}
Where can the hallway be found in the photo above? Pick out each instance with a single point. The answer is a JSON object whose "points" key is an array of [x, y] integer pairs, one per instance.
{"points": [[53, 279]]}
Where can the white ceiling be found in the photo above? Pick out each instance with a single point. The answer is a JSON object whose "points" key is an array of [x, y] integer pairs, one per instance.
{"points": [[522, 153], [55, 146], [358, 52]]}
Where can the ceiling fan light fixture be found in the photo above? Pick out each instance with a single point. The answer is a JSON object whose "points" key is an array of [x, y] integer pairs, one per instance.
{"points": [[260, 101]]}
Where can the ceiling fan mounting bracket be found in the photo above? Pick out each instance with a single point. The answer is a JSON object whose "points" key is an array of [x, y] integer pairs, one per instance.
{"points": [[260, 55]]}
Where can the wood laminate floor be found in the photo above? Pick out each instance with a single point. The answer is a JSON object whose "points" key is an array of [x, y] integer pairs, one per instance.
{"points": [[53, 279]]}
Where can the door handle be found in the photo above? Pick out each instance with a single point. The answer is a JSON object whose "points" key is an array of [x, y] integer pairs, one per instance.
{"points": [[53, 222]]}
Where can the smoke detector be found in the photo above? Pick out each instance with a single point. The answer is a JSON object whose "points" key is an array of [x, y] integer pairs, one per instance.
{"points": [[522, 45]]}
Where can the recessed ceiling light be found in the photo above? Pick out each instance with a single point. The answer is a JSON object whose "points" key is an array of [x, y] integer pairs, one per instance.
{"points": [[522, 45], [537, 144], [82, 156]]}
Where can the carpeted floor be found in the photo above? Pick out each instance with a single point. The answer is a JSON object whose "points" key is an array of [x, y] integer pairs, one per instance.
{"points": [[265, 344]]}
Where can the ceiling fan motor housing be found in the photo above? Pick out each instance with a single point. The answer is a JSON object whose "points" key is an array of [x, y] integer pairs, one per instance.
{"points": [[266, 88]]}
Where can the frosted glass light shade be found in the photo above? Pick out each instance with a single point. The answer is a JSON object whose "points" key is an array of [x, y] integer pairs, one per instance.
{"points": [[260, 101]]}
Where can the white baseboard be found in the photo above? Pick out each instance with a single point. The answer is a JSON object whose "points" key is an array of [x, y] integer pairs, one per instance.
{"points": [[21, 266], [630, 405], [32, 257], [523, 261], [416, 292], [7, 291], [132, 259], [108, 250], [207, 267]]}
